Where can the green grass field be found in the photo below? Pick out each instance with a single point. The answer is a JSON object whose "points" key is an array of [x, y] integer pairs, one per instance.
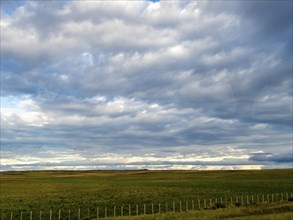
{"points": [[87, 190], [279, 211]]}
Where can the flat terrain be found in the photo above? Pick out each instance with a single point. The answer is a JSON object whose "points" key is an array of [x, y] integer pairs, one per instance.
{"points": [[253, 212], [87, 190]]}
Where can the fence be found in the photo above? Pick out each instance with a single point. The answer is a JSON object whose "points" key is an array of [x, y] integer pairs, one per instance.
{"points": [[144, 209]]}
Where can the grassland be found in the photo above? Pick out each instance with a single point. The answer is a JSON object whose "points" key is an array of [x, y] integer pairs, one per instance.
{"points": [[283, 211], [54, 190]]}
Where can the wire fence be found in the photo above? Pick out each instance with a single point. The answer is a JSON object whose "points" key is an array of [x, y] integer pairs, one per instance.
{"points": [[145, 209]]}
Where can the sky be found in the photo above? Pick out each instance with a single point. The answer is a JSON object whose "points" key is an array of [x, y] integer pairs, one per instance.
{"points": [[197, 85]]}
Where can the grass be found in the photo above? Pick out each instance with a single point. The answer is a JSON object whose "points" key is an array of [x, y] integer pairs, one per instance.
{"points": [[283, 211], [45, 190]]}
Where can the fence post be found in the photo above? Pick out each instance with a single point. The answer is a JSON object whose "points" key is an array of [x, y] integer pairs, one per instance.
{"points": [[78, 216], [277, 197], [40, 215], [180, 207], [152, 208], [272, 197], [114, 211], [20, 215], [122, 210], [268, 198], [198, 203], [252, 199], [129, 209], [257, 198], [31, 215], [205, 203], [97, 212], [51, 215], [221, 200], [282, 197], [11, 215], [105, 212], [192, 205], [216, 200], [263, 198], [159, 207], [166, 207], [144, 209], [231, 200], [237, 199], [210, 202], [186, 206], [136, 209], [69, 214], [59, 214], [173, 206], [247, 200]]}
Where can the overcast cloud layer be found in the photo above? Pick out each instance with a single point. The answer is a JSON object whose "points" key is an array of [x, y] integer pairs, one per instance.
{"points": [[141, 84]]}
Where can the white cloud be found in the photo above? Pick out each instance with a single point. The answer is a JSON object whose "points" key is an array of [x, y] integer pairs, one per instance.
{"points": [[26, 112], [243, 167], [61, 159]]}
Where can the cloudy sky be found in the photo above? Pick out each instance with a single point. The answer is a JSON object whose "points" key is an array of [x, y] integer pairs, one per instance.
{"points": [[146, 85]]}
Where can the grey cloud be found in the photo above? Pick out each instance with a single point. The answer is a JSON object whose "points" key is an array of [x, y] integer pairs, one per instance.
{"points": [[276, 158], [273, 17], [220, 73]]}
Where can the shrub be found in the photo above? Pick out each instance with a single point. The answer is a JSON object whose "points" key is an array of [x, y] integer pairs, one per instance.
{"points": [[237, 204], [220, 205]]}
